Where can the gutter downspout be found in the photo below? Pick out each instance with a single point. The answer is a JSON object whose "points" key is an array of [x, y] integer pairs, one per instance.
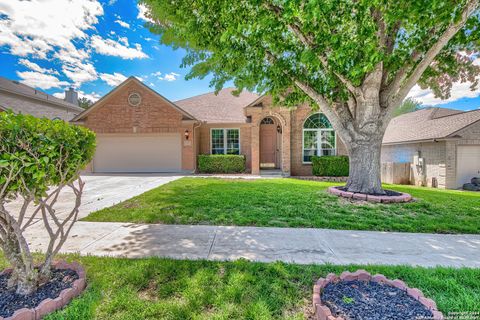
{"points": [[195, 144]]}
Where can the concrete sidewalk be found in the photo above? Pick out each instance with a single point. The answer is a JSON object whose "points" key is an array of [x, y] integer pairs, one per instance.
{"points": [[299, 245]]}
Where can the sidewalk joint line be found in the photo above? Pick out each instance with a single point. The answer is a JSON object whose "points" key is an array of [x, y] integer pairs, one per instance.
{"points": [[213, 243]]}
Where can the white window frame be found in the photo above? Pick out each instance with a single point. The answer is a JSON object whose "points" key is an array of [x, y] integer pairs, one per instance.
{"points": [[319, 140], [225, 139]]}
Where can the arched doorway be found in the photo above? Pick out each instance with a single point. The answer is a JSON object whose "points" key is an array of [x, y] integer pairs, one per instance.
{"points": [[270, 143]]}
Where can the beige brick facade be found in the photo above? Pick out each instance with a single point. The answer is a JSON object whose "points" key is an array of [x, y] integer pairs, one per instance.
{"points": [[440, 157], [114, 115]]}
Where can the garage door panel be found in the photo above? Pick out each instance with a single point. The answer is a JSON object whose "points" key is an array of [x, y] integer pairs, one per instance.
{"points": [[468, 163], [136, 153]]}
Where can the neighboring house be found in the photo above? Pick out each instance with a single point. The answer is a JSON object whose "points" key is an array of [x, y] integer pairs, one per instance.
{"points": [[138, 130], [21, 98], [443, 145]]}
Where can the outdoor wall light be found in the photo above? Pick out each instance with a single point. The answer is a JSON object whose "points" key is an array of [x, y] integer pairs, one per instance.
{"points": [[279, 129], [187, 134]]}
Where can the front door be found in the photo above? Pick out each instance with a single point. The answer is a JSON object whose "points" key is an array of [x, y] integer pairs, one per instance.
{"points": [[268, 145]]}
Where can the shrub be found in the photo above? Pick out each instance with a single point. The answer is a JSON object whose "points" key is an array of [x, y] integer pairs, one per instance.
{"points": [[330, 166], [219, 163], [38, 158]]}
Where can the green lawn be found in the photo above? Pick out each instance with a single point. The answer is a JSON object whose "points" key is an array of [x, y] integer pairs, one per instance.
{"points": [[294, 203], [172, 289]]}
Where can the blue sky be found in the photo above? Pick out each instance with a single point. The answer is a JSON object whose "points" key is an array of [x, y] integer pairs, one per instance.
{"points": [[94, 45]]}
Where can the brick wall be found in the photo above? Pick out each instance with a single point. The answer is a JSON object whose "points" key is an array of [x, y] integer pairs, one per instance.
{"points": [[245, 139], [433, 153], [153, 115], [298, 118], [36, 108]]}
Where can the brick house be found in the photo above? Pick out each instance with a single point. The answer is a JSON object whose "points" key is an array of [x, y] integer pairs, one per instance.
{"points": [[21, 98], [139, 130], [442, 145]]}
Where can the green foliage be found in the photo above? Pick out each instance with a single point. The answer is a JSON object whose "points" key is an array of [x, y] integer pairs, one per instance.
{"points": [[219, 163], [39, 153], [84, 103], [409, 105], [347, 300], [330, 166], [253, 43]]}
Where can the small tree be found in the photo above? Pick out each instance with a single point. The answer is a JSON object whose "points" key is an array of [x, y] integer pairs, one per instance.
{"points": [[408, 105], [84, 103], [38, 159], [355, 60]]}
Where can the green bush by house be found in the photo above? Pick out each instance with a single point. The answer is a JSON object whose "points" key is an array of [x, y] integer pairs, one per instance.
{"points": [[330, 166], [219, 163]]}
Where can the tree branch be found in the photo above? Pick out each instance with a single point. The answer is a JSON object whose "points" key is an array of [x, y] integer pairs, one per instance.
{"points": [[397, 96], [309, 43]]}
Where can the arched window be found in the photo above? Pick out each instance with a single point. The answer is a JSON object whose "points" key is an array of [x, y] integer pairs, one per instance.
{"points": [[267, 120], [318, 137]]}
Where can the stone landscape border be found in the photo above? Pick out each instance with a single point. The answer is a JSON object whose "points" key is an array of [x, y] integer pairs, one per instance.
{"points": [[403, 197], [322, 312], [322, 178], [50, 305]]}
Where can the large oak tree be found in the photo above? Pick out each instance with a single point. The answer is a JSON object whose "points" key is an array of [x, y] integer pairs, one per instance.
{"points": [[355, 60]]}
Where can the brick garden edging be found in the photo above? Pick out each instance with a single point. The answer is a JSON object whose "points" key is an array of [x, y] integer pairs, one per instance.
{"points": [[322, 312], [403, 197], [50, 305]]}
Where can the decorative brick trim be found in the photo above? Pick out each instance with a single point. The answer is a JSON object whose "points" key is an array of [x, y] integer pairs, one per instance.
{"points": [[323, 179], [403, 197], [322, 312], [48, 305]]}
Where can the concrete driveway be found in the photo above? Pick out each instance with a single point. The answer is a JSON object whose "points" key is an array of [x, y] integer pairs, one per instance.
{"points": [[102, 191]]}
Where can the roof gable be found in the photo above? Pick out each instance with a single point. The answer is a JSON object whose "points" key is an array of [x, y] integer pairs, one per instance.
{"points": [[123, 85]]}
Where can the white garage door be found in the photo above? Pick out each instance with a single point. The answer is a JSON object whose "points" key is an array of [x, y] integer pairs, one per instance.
{"points": [[138, 153], [468, 163]]}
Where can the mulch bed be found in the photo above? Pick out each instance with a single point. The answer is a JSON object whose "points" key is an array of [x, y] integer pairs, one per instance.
{"points": [[388, 193], [369, 300], [10, 301]]}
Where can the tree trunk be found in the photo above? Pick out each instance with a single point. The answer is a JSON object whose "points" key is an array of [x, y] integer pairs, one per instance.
{"points": [[23, 276], [365, 166]]}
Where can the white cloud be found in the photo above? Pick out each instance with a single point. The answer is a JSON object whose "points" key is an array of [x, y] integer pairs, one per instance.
{"points": [[459, 90], [123, 40], [92, 96], [35, 67], [143, 13], [38, 27], [113, 79], [51, 29], [171, 76], [111, 47], [80, 72], [123, 24], [40, 80]]}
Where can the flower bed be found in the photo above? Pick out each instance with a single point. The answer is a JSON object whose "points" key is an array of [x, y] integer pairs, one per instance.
{"points": [[381, 289], [389, 197], [76, 283]]}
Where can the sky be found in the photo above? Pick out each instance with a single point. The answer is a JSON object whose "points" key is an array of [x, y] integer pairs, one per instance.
{"points": [[94, 45]]}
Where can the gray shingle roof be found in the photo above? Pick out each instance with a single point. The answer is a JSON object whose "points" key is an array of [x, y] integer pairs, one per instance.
{"points": [[221, 108], [20, 88], [427, 124]]}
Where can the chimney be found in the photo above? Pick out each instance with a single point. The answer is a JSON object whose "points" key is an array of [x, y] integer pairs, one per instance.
{"points": [[71, 96]]}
